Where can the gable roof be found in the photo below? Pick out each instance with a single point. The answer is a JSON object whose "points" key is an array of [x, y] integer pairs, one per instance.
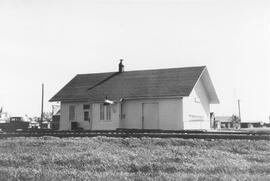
{"points": [[130, 84]]}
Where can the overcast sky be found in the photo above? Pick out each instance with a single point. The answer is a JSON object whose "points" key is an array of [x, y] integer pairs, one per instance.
{"points": [[51, 41]]}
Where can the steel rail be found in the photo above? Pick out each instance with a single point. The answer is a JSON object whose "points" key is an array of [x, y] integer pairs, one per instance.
{"points": [[146, 131], [121, 134]]}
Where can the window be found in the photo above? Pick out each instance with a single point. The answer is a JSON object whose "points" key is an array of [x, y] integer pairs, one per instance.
{"points": [[86, 116], [86, 113], [108, 112], [71, 113], [101, 112], [86, 106], [105, 112]]}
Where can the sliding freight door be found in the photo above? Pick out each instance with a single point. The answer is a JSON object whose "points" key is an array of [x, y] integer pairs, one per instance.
{"points": [[150, 118]]}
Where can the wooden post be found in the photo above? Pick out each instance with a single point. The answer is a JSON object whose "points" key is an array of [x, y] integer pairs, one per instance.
{"points": [[42, 97], [239, 111]]}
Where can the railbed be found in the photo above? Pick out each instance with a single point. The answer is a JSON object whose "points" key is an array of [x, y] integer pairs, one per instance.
{"points": [[139, 133]]}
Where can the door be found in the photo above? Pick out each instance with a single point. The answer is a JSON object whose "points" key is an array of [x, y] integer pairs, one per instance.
{"points": [[150, 116], [87, 116], [72, 117]]}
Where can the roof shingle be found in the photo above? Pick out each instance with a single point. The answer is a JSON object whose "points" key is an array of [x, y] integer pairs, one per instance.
{"points": [[130, 84]]}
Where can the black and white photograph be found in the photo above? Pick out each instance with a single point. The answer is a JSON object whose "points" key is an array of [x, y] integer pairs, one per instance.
{"points": [[134, 90]]}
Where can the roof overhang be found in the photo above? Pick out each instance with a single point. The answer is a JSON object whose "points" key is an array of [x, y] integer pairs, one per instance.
{"points": [[210, 89], [120, 100]]}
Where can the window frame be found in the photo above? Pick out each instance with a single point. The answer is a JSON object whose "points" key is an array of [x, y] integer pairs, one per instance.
{"points": [[105, 112], [87, 109], [108, 112], [86, 106], [84, 116], [101, 112]]}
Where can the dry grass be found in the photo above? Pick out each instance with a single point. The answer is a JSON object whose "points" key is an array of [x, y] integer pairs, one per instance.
{"points": [[103, 158]]}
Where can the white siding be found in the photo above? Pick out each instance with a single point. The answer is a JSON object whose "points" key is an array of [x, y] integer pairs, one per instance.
{"points": [[105, 124], [197, 108], [97, 124], [170, 113], [64, 120], [173, 114]]}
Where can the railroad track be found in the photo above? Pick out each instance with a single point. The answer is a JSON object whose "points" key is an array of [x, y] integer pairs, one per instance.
{"points": [[185, 134]]}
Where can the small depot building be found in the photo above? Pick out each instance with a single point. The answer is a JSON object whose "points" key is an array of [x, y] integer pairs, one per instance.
{"points": [[167, 99]]}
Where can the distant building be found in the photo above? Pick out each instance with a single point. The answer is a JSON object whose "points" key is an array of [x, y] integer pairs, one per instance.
{"points": [[227, 122], [223, 122], [253, 124], [169, 99], [4, 116]]}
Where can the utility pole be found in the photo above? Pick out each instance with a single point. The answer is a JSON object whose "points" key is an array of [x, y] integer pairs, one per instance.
{"points": [[42, 97], [239, 111]]}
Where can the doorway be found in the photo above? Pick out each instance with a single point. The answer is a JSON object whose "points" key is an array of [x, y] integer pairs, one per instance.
{"points": [[150, 118], [87, 116]]}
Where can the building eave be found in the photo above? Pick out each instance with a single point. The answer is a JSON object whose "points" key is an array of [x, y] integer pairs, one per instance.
{"points": [[126, 98]]}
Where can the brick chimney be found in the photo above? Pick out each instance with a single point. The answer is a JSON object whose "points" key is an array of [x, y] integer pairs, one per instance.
{"points": [[121, 66]]}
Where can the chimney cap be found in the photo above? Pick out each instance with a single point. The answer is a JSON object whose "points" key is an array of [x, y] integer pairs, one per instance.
{"points": [[121, 66]]}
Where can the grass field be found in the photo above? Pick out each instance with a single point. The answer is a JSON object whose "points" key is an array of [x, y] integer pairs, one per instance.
{"points": [[102, 158]]}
